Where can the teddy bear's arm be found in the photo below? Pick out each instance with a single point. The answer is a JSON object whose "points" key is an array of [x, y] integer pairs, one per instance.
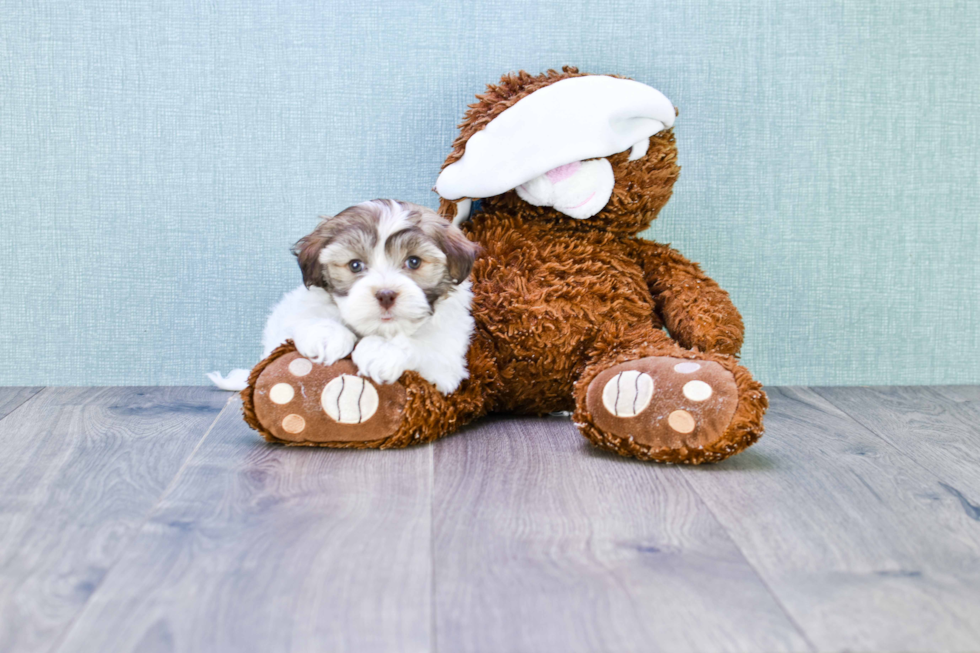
{"points": [[696, 311]]}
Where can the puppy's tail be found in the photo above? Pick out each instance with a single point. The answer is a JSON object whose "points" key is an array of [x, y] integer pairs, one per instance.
{"points": [[236, 380]]}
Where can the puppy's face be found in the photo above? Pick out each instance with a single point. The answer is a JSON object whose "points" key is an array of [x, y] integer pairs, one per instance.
{"points": [[386, 264]]}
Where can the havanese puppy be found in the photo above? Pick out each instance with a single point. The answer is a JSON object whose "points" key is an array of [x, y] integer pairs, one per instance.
{"points": [[386, 280]]}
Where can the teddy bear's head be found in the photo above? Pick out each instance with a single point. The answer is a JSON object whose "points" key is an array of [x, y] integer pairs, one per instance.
{"points": [[592, 150]]}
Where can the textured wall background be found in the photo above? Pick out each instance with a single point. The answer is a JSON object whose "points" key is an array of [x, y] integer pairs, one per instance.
{"points": [[158, 158]]}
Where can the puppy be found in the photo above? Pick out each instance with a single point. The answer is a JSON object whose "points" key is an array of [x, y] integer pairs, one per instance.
{"points": [[388, 281]]}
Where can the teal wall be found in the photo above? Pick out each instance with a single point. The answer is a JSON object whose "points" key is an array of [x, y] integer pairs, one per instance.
{"points": [[158, 158]]}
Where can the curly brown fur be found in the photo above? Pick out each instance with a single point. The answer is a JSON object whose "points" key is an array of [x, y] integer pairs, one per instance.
{"points": [[696, 311], [560, 297]]}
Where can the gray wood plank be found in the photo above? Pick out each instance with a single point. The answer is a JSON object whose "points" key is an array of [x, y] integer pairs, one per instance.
{"points": [[959, 393], [11, 398], [863, 546], [543, 543], [260, 547], [80, 470], [932, 426]]}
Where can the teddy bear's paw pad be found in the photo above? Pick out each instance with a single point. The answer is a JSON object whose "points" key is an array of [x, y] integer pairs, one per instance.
{"points": [[628, 393], [298, 400], [664, 402], [349, 399]]}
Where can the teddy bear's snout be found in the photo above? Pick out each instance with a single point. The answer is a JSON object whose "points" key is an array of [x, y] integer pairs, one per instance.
{"points": [[579, 189]]}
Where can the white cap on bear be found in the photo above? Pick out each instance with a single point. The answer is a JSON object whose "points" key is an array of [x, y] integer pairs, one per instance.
{"points": [[571, 120]]}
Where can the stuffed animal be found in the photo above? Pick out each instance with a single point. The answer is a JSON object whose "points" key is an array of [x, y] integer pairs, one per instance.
{"points": [[554, 176]]}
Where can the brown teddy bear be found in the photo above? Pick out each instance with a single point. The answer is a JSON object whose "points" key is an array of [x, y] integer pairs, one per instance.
{"points": [[570, 305]]}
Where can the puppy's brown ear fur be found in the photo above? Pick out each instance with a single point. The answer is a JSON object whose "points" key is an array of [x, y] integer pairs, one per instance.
{"points": [[307, 252], [460, 252]]}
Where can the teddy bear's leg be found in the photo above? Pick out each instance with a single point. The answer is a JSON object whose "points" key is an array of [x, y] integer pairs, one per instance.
{"points": [[645, 396], [291, 400]]}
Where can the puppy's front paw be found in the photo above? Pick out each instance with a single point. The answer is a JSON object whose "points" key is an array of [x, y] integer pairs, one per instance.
{"points": [[324, 341], [381, 360]]}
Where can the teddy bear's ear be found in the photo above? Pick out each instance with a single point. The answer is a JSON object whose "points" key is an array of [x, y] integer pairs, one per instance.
{"points": [[456, 212], [447, 208], [307, 252]]}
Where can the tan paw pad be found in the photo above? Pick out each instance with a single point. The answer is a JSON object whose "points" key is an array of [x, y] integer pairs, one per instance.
{"points": [[293, 423], [681, 421]]}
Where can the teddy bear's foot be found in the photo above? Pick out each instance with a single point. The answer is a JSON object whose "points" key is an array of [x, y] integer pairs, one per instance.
{"points": [[297, 401], [663, 408]]}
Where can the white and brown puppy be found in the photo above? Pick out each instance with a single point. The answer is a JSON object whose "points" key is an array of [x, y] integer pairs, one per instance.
{"points": [[388, 281]]}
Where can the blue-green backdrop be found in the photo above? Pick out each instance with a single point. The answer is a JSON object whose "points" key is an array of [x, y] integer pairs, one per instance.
{"points": [[158, 158]]}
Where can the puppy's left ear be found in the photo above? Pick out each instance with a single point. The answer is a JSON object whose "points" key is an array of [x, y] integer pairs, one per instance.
{"points": [[460, 253], [307, 252]]}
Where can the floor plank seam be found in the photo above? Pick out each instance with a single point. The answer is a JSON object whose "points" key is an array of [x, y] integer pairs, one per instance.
{"points": [[939, 479], [755, 570], [36, 392], [146, 518], [183, 466], [955, 493]]}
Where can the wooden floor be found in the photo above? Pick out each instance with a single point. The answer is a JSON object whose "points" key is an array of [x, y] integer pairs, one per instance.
{"points": [[153, 519]]}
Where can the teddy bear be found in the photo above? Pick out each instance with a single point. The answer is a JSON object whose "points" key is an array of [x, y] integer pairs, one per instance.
{"points": [[554, 176]]}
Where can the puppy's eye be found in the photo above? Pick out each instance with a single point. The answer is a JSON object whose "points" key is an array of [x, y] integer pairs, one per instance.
{"points": [[413, 262], [356, 266]]}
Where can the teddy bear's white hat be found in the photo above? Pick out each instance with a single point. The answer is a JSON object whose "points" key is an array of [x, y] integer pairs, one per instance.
{"points": [[571, 120]]}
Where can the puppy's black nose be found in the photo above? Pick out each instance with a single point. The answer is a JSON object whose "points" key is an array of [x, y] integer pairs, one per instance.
{"points": [[386, 298]]}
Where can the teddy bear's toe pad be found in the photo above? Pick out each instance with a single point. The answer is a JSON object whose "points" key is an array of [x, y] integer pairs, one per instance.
{"points": [[664, 402], [300, 401]]}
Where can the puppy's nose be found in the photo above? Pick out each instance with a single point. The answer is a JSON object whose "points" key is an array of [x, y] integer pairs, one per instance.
{"points": [[386, 298]]}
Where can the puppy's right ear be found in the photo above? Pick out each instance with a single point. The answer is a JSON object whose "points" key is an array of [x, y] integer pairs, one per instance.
{"points": [[460, 252], [307, 252]]}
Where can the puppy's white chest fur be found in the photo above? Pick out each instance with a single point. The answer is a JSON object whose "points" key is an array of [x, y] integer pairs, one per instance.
{"points": [[436, 350]]}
